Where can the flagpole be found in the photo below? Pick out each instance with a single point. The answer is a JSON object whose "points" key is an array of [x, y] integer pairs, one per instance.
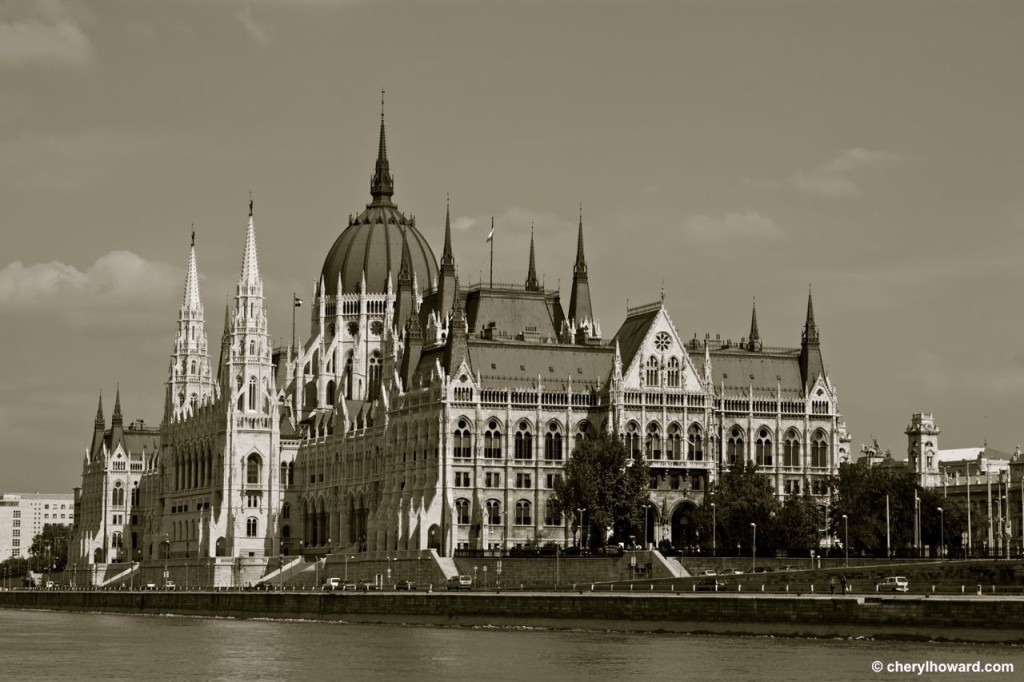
{"points": [[294, 298], [492, 251]]}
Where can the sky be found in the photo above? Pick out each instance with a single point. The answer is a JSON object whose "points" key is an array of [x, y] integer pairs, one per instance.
{"points": [[720, 150]]}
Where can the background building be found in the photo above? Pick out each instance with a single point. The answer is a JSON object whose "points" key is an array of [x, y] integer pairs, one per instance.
{"points": [[23, 515]]}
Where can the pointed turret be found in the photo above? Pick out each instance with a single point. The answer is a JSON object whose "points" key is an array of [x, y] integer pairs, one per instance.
{"points": [[382, 186], [580, 309], [190, 300], [117, 424], [404, 303], [117, 419], [99, 423], [532, 284], [811, 364], [456, 349], [99, 426], [250, 265], [189, 383], [413, 351], [754, 342], [446, 287]]}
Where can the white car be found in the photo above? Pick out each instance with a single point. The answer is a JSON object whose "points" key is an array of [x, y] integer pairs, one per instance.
{"points": [[331, 584], [894, 584], [710, 572]]}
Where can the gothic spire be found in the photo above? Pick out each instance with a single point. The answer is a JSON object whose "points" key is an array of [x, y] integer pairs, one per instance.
{"points": [[117, 419], [811, 364], [754, 342], [99, 413], [250, 265], [447, 257], [382, 186], [405, 269], [191, 298], [532, 284], [579, 270], [810, 334]]}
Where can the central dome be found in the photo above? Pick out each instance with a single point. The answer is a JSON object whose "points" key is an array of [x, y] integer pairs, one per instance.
{"points": [[371, 245]]}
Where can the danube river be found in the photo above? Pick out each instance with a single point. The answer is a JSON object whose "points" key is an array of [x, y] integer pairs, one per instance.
{"points": [[43, 645]]}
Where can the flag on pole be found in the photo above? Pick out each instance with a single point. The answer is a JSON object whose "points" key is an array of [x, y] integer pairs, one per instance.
{"points": [[298, 301], [490, 237]]}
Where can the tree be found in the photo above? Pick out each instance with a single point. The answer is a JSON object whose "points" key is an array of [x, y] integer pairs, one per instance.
{"points": [[609, 485], [741, 496], [49, 549], [798, 525]]}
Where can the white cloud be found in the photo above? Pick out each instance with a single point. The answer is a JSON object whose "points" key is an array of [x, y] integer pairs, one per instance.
{"points": [[732, 226], [462, 223], [117, 278], [259, 34], [31, 41], [837, 178]]}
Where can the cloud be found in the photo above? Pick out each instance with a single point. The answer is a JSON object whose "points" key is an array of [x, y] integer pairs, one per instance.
{"points": [[35, 42], [462, 224], [837, 178], [115, 279], [259, 35], [732, 226]]}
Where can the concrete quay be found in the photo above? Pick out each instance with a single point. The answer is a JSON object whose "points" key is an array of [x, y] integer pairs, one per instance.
{"points": [[953, 618]]}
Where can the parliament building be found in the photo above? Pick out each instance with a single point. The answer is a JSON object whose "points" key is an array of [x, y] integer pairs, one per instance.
{"points": [[422, 412]]}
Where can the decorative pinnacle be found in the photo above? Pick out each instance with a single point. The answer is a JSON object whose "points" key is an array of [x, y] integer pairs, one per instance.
{"points": [[191, 298], [810, 328], [382, 185], [447, 257], [99, 411], [117, 406], [531, 276]]}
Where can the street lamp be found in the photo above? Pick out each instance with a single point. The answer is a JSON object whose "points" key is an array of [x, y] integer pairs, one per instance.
{"points": [[714, 530], [753, 549], [942, 533], [167, 552], [186, 565], [647, 509], [846, 539], [579, 511], [347, 557]]}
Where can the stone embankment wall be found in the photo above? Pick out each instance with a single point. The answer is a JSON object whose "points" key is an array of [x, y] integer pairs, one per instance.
{"points": [[968, 619]]}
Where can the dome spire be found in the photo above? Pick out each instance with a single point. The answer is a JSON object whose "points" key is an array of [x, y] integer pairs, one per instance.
{"points": [[580, 268], [754, 342], [447, 257], [382, 186], [531, 276]]}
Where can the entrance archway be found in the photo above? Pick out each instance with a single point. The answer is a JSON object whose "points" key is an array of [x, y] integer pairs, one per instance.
{"points": [[684, 527]]}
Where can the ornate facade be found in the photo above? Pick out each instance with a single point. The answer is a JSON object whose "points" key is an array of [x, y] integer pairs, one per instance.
{"points": [[420, 413]]}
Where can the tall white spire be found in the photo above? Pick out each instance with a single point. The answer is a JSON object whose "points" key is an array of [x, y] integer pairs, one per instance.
{"points": [[189, 383], [191, 298], [250, 265]]}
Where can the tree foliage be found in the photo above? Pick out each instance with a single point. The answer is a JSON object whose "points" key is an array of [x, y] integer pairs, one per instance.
{"points": [[608, 484], [49, 549], [742, 496]]}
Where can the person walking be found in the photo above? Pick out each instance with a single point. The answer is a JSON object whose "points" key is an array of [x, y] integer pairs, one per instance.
{"points": [[832, 586], [842, 582]]}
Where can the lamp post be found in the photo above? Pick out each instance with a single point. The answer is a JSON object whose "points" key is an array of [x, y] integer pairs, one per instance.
{"points": [[846, 539], [186, 565], [579, 511], [167, 552], [942, 534], [753, 548], [347, 557], [714, 530], [389, 568], [647, 510]]}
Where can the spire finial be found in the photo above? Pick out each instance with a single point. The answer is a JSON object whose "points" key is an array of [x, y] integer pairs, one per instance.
{"points": [[99, 411], [250, 203], [447, 257], [382, 186], [193, 235], [810, 327], [382, 104], [531, 276], [754, 342]]}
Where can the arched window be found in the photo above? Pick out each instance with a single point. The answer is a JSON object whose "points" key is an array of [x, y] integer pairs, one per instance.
{"points": [[493, 510], [291, 473], [252, 393], [675, 442], [632, 439], [652, 371], [653, 441], [553, 442], [252, 469], [462, 511], [193, 403], [791, 449], [764, 448], [374, 374], [348, 376], [193, 366], [286, 532], [552, 515], [251, 527], [492, 440], [583, 430], [462, 445], [118, 495], [117, 540], [330, 392], [694, 443], [252, 348], [286, 511], [734, 448], [284, 474], [819, 450], [524, 442], [135, 495], [672, 378], [523, 516]]}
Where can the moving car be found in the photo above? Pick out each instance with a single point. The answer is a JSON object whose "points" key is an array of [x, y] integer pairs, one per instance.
{"points": [[894, 584], [711, 585], [710, 571], [460, 582]]}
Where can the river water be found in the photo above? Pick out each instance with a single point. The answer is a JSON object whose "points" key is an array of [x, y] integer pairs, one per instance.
{"points": [[41, 645]]}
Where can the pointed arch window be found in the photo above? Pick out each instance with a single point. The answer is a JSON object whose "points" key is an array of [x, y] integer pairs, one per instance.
{"points": [[791, 449], [524, 517], [330, 392], [632, 439], [462, 511], [117, 540], [492, 440], [193, 367], [524, 442], [553, 442], [252, 469], [672, 378], [734, 451], [763, 452], [348, 377], [462, 444], [252, 393], [252, 526], [492, 508], [193, 403], [675, 442], [135, 495], [653, 441], [819, 450], [374, 373], [117, 497], [652, 371], [583, 431], [552, 514], [252, 348], [694, 443]]}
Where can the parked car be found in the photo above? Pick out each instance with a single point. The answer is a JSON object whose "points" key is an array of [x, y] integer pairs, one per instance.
{"points": [[731, 571], [894, 584], [348, 587], [711, 585], [788, 568], [169, 585], [367, 586], [460, 582], [406, 585], [150, 586], [331, 584], [710, 571], [613, 550]]}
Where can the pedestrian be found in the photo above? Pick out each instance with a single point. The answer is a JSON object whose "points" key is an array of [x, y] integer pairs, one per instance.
{"points": [[842, 582], [832, 586]]}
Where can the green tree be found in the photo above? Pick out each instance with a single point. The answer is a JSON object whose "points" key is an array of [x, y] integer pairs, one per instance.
{"points": [[49, 549], [610, 487], [742, 496], [798, 524]]}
